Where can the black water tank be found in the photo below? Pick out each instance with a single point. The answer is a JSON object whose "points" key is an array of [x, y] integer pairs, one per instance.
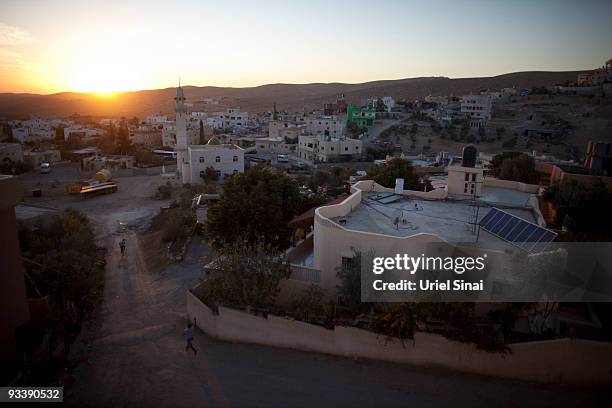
{"points": [[468, 156]]}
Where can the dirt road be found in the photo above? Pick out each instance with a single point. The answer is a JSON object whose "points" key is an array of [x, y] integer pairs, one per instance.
{"points": [[133, 355]]}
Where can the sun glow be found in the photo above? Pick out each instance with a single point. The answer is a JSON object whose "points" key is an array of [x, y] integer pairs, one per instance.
{"points": [[105, 70]]}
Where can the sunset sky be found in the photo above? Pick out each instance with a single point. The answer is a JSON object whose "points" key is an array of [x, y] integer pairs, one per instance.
{"points": [[52, 46]]}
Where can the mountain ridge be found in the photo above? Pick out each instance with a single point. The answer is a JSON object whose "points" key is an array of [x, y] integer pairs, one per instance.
{"points": [[260, 98]]}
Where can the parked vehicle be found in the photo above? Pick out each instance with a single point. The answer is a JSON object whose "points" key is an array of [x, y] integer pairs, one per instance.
{"points": [[45, 168], [282, 158]]}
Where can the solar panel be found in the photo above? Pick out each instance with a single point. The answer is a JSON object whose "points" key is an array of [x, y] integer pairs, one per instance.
{"points": [[517, 231], [389, 199]]}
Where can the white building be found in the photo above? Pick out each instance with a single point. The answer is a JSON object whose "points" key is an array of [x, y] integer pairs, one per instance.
{"points": [[156, 119], [169, 133], [477, 108], [325, 125], [230, 118], [322, 148], [11, 151], [372, 101], [81, 132], [408, 221], [193, 159], [225, 159]]}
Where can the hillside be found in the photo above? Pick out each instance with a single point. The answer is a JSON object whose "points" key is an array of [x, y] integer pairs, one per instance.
{"points": [[289, 97]]}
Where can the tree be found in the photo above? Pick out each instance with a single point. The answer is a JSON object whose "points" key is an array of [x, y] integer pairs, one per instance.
{"points": [[380, 106], [63, 262], [202, 137], [210, 174], [247, 275], [255, 205], [124, 144], [520, 168], [580, 207], [496, 162], [350, 285], [308, 304], [59, 133], [396, 168], [514, 166]]}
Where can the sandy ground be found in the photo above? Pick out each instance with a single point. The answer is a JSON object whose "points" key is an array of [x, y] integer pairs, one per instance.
{"points": [[131, 352]]}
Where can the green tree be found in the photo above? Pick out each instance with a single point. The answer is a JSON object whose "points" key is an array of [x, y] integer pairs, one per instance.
{"points": [[124, 144], [254, 205], [247, 275], [395, 168], [349, 289], [520, 168], [580, 209], [308, 304], [210, 175], [497, 161], [380, 106]]}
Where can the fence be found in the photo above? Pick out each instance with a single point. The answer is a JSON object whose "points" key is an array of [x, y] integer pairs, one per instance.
{"points": [[564, 361]]}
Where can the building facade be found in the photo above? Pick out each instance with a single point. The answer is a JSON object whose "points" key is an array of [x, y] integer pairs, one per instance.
{"points": [[224, 159], [477, 109], [325, 125], [322, 148], [360, 116]]}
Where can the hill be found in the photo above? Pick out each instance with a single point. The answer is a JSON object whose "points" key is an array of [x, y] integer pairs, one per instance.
{"points": [[289, 97]]}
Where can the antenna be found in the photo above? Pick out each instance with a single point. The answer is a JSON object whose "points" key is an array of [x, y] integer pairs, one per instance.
{"points": [[179, 81]]}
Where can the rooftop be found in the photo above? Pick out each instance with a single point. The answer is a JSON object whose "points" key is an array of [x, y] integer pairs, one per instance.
{"points": [[451, 219]]}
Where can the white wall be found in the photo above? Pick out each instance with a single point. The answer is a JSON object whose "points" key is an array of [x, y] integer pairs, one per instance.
{"points": [[202, 157], [572, 362]]}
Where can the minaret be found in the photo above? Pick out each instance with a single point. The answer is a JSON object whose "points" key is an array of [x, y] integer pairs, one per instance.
{"points": [[182, 159]]}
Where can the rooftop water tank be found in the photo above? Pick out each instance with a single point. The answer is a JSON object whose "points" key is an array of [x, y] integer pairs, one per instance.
{"points": [[399, 185], [468, 156]]}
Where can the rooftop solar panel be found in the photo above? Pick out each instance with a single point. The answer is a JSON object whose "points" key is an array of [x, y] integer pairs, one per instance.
{"points": [[519, 232]]}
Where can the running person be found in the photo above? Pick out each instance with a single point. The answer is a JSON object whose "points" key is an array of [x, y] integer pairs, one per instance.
{"points": [[188, 333]]}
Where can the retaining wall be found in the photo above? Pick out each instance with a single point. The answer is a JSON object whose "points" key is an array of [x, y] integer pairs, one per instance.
{"points": [[564, 361]]}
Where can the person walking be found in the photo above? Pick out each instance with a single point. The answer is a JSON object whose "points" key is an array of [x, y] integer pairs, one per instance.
{"points": [[122, 246], [188, 333]]}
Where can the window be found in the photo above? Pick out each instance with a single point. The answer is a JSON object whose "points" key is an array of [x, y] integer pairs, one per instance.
{"points": [[202, 173], [218, 159], [235, 158], [201, 159], [235, 171], [346, 148], [332, 149], [474, 177], [347, 263], [467, 176]]}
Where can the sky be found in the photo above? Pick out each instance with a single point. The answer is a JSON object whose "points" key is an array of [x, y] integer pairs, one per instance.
{"points": [[49, 46]]}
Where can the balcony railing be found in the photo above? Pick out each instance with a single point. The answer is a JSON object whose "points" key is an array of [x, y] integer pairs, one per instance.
{"points": [[305, 274]]}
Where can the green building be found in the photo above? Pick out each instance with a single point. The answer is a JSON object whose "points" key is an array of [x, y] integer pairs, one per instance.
{"points": [[360, 116]]}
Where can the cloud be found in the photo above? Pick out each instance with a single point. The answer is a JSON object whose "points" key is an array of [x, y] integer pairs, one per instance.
{"points": [[11, 59], [11, 35]]}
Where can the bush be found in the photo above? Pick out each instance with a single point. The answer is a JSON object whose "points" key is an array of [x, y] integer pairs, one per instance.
{"points": [[247, 275], [164, 192], [308, 304]]}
